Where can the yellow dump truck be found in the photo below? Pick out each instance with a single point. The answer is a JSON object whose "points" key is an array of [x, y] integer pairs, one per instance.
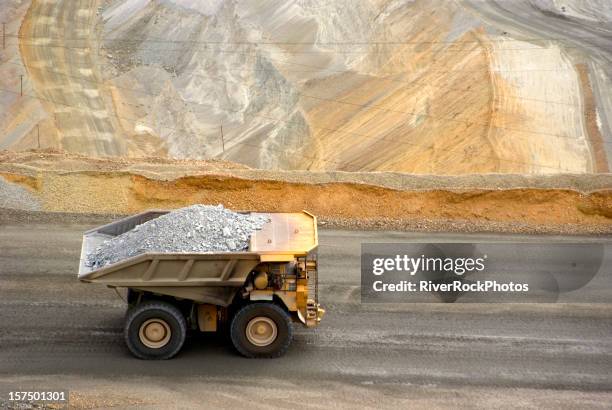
{"points": [[255, 294]]}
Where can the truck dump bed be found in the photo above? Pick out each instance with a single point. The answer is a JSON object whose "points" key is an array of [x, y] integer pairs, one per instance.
{"points": [[206, 277]]}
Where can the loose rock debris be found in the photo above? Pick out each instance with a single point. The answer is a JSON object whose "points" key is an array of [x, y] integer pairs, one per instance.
{"points": [[197, 228]]}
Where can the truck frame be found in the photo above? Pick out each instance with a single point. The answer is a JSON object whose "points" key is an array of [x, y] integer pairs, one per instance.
{"points": [[256, 295]]}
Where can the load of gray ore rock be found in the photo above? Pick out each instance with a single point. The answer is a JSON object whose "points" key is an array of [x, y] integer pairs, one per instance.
{"points": [[197, 228]]}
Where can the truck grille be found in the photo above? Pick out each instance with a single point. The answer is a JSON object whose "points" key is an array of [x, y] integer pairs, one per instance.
{"points": [[313, 280]]}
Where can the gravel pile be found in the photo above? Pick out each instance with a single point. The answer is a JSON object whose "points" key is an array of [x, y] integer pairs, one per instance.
{"points": [[198, 228], [15, 197]]}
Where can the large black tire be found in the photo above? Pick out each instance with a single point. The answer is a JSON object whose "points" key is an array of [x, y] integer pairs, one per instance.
{"points": [[267, 316], [150, 321]]}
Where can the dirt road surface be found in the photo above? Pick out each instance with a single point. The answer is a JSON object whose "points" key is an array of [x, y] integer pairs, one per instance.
{"points": [[57, 333]]}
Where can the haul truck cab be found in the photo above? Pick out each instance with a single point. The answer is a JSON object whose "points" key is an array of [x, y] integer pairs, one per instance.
{"points": [[257, 294]]}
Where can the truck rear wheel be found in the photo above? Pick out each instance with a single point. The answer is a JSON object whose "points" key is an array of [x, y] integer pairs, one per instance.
{"points": [[261, 330], [155, 330]]}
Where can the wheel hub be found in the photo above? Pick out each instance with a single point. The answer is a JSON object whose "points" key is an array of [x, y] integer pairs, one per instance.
{"points": [[261, 331], [155, 333]]}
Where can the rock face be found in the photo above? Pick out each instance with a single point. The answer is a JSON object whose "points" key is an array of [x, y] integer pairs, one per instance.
{"points": [[429, 87], [198, 228]]}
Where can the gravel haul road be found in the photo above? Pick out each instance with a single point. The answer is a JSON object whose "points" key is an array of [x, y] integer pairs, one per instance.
{"points": [[57, 333]]}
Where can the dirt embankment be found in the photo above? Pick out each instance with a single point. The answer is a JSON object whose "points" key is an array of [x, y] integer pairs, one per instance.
{"points": [[75, 184]]}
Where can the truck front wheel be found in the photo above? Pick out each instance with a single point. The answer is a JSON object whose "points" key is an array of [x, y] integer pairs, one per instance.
{"points": [[261, 330], [155, 330]]}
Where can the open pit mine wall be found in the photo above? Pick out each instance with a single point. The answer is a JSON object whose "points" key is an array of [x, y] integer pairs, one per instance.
{"points": [[431, 87]]}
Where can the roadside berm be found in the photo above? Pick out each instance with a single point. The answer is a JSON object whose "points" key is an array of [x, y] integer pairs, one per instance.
{"points": [[571, 203]]}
